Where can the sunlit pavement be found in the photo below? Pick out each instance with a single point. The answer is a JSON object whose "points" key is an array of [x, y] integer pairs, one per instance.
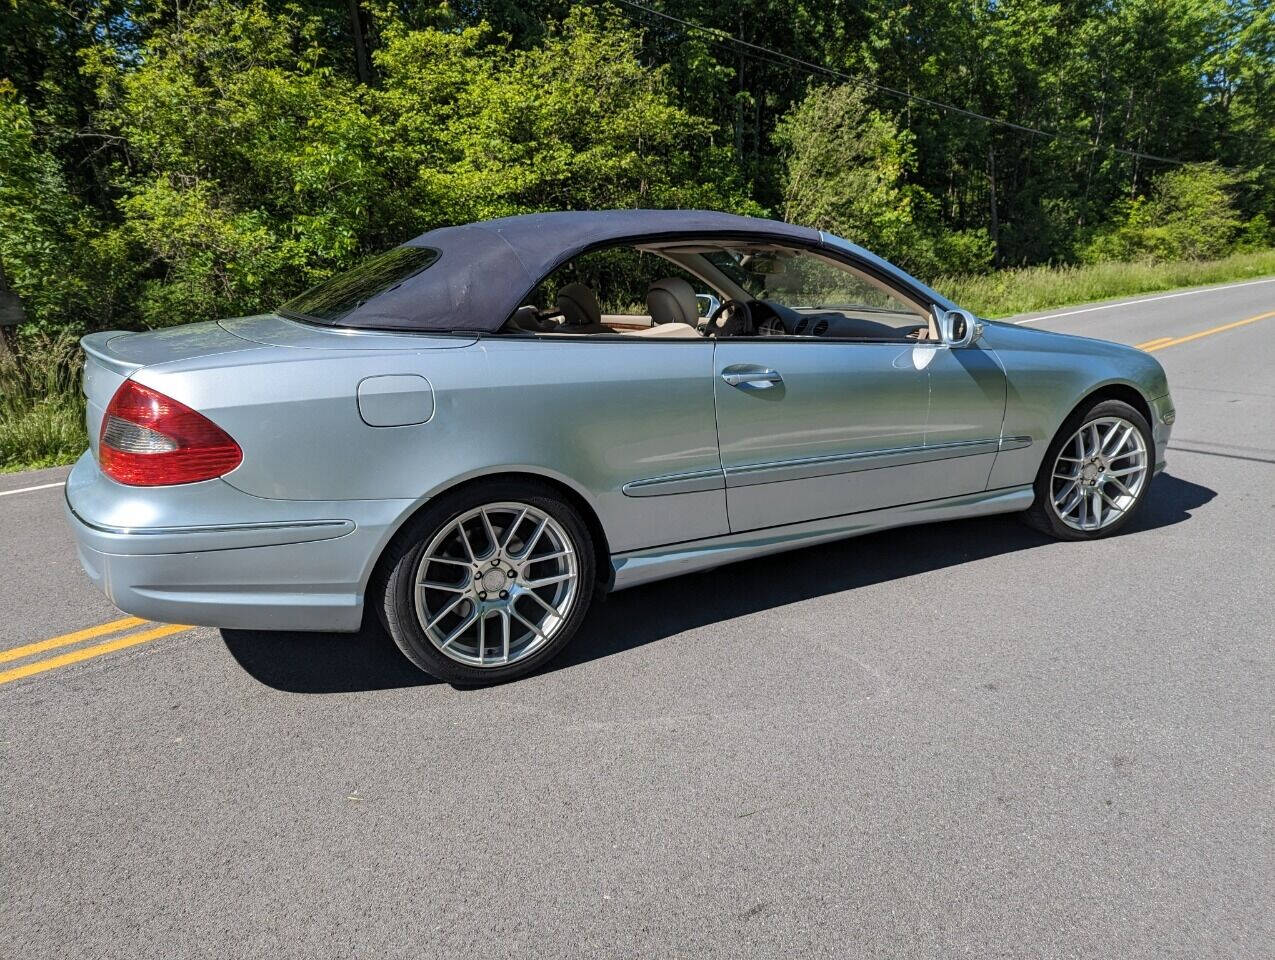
{"points": [[945, 740]]}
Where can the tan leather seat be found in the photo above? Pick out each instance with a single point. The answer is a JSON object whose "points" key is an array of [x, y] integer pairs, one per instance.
{"points": [[527, 319], [580, 310], [672, 300]]}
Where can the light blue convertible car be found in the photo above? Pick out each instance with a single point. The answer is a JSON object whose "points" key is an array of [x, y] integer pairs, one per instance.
{"points": [[481, 431]]}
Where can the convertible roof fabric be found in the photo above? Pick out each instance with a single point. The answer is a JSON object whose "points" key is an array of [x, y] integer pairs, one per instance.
{"points": [[485, 269]]}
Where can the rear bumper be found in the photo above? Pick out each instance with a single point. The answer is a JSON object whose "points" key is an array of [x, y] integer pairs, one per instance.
{"points": [[211, 555]]}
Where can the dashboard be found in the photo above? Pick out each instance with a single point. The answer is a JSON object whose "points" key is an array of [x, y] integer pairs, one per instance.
{"points": [[771, 319]]}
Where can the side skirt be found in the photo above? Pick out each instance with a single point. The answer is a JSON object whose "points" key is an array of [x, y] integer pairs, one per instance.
{"points": [[657, 563]]}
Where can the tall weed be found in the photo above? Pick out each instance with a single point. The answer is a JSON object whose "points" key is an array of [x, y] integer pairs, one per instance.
{"points": [[1022, 290], [41, 403]]}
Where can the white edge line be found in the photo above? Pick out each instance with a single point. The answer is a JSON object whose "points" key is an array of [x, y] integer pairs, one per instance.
{"points": [[43, 486], [1130, 303]]}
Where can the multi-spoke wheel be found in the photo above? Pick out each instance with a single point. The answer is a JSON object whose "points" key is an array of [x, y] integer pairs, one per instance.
{"points": [[1095, 474], [496, 584], [489, 584], [1099, 473]]}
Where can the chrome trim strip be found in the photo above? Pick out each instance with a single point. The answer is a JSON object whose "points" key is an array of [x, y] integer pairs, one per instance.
{"points": [[1015, 443], [777, 471], [697, 482], [344, 525], [657, 563], [227, 528]]}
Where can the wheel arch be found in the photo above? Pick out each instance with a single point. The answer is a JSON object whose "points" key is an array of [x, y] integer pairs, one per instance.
{"points": [[1114, 390], [532, 479], [1039, 515], [1111, 390]]}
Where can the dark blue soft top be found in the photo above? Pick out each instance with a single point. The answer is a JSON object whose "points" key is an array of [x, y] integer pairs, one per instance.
{"points": [[485, 269]]}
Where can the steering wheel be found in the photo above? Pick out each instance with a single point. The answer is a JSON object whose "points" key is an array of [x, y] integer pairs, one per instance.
{"points": [[731, 319]]}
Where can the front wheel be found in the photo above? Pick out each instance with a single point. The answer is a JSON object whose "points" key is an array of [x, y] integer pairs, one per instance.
{"points": [[1095, 474], [489, 583]]}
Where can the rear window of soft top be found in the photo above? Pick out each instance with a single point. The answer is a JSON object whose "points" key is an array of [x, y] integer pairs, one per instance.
{"points": [[337, 297]]}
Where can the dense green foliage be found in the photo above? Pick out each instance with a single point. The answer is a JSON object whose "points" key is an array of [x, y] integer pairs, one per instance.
{"points": [[168, 162], [238, 164], [161, 163]]}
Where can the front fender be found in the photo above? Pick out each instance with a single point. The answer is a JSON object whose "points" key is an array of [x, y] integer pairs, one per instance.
{"points": [[1047, 375]]}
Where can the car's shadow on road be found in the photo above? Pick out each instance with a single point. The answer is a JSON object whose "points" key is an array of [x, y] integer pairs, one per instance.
{"points": [[368, 660]]}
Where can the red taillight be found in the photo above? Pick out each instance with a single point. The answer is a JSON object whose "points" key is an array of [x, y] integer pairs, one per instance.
{"points": [[150, 440]]}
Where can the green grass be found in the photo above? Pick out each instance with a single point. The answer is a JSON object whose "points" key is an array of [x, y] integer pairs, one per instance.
{"points": [[41, 404], [1007, 292], [42, 407]]}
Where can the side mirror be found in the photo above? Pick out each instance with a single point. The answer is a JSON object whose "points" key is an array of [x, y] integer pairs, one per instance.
{"points": [[707, 304], [958, 328]]}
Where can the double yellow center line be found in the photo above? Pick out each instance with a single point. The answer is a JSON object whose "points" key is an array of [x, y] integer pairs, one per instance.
{"points": [[1161, 342], [123, 627]]}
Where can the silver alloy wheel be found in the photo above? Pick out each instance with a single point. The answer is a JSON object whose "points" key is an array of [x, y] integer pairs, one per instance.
{"points": [[1099, 473], [496, 584]]}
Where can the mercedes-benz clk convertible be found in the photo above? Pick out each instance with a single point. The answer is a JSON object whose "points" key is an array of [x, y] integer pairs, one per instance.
{"points": [[479, 433]]}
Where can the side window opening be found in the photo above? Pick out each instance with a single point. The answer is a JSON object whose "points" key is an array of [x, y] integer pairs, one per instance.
{"points": [[616, 290], [800, 293], [672, 289]]}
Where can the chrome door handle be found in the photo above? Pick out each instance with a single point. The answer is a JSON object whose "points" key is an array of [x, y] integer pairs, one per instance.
{"points": [[756, 378]]}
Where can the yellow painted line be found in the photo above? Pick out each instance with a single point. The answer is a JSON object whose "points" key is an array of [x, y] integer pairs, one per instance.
{"points": [[17, 653], [1152, 343], [1206, 333], [88, 653]]}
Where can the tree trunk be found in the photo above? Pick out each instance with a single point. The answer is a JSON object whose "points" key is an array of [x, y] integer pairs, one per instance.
{"points": [[360, 48], [11, 314], [995, 218]]}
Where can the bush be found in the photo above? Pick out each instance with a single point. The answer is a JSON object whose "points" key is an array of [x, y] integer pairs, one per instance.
{"points": [[41, 403], [1190, 215], [1257, 234]]}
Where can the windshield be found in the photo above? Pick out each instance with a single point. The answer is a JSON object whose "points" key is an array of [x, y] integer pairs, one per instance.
{"points": [[337, 297], [804, 281]]}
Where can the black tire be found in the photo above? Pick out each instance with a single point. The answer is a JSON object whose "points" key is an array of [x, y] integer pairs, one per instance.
{"points": [[1042, 515], [393, 594]]}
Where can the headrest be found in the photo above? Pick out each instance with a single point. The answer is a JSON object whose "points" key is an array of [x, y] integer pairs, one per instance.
{"points": [[579, 306], [672, 300]]}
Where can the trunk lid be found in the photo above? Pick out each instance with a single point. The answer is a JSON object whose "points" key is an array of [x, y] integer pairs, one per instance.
{"points": [[277, 331], [112, 356]]}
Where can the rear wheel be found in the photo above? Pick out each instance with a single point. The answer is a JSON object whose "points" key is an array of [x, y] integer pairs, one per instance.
{"points": [[1095, 474], [489, 583]]}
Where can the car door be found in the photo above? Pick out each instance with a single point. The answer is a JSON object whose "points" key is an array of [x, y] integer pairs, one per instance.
{"points": [[811, 428], [628, 421], [967, 409]]}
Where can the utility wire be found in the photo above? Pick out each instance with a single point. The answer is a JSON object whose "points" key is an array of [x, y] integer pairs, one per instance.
{"points": [[722, 37]]}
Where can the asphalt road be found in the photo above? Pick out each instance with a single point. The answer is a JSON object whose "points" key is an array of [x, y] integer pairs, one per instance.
{"points": [[959, 739]]}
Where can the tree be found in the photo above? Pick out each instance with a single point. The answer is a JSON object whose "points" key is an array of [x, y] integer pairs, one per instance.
{"points": [[845, 171], [52, 248], [247, 166], [1189, 215], [575, 123], [166, 162]]}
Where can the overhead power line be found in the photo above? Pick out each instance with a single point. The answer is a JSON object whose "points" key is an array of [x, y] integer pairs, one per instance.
{"points": [[721, 37]]}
